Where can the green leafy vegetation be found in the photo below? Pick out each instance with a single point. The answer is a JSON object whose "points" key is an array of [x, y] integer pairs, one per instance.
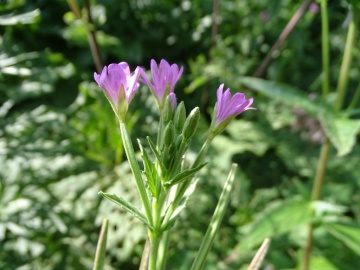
{"points": [[60, 142]]}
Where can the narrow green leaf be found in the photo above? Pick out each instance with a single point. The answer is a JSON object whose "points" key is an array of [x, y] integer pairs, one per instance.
{"points": [[349, 234], [168, 225], [101, 247], [277, 219], [149, 171], [127, 206], [215, 221], [157, 154], [183, 176], [286, 94], [341, 132]]}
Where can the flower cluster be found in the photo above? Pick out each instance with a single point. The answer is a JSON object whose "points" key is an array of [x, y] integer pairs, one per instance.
{"points": [[166, 181], [227, 108], [120, 85]]}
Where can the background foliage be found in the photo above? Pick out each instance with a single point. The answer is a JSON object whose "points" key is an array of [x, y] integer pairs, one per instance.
{"points": [[60, 145]]}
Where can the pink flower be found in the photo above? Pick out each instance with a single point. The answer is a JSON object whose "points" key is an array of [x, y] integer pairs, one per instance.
{"points": [[119, 85], [229, 107], [164, 78]]}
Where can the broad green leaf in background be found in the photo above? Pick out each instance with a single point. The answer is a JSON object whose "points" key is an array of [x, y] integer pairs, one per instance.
{"points": [[25, 18], [341, 132], [275, 220], [349, 234], [322, 263], [286, 94]]}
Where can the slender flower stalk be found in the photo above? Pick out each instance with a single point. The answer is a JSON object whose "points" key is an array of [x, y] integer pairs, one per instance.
{"points": [[341, 92], [164, 78], [227, 108], [130, 154], [119, 86]]}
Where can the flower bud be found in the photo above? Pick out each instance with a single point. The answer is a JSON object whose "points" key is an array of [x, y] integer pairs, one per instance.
{"points": [[191, 123], [178, 141], [180, 117], [169, 134], [167, 111]]}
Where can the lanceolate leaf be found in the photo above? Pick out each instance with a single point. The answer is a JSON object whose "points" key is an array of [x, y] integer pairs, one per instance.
{"points": [[185, 175], [341, 132], [127, 206], [215, 221], [275, 220], [156, 153], [286, 94], [149, 171]]}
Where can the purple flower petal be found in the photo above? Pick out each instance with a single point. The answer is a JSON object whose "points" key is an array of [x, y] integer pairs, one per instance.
{"points": [[117, 77], [164, 78], [228, 106]]}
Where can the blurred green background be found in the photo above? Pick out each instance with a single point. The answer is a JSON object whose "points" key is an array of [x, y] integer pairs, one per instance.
{"points": [[60, 144]]}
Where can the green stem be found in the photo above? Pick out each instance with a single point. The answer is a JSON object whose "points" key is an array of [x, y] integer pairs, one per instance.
{"points": [[321, 170], [163, 249], [129, 150], [325, 49], [156, 234], [324, 154], [315, 195], [155, 239], [164, 244], [215, 221], [157, 204], [94, 48], [345, 65], [341, 91]]}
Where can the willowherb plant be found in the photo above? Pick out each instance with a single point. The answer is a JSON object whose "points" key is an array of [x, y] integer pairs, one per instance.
{"points": [[165, 184]]}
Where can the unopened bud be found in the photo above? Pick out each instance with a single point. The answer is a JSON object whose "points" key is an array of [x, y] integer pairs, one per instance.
{"points": [[168, 111], [180, 117], [191, 123], [169, 134]]}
